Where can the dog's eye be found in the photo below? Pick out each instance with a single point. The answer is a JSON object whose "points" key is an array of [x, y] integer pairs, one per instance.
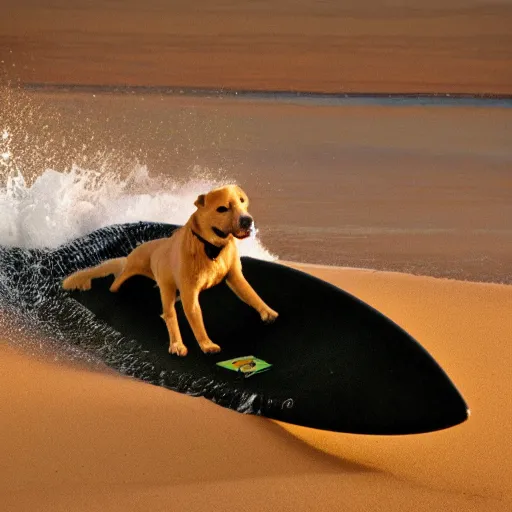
{"points": [[222, 209], [242, 200]]}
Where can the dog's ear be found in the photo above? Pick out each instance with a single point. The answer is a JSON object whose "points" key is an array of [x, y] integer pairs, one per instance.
{"points": [[200, 201]]}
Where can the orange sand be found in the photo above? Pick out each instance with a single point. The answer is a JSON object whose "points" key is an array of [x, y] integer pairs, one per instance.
{"points": [[460, 46], [77, 440]]}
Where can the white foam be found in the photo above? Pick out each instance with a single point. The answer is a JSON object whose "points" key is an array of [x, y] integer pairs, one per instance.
{"points": [[59, 206]]}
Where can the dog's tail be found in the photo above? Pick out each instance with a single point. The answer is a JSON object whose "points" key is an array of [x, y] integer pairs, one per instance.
{"points": [[81, 280]]}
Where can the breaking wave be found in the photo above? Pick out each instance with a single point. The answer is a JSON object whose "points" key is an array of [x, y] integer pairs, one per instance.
{"points": [[59, 181], [60, 206]]}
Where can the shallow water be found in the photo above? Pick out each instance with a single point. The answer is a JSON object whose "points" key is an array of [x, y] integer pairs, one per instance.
{"points": [[418, 188]]}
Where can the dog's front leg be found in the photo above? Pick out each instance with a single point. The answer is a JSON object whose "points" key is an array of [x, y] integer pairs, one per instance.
{"points": [[190, 301], [244, 291], [168, 296]]}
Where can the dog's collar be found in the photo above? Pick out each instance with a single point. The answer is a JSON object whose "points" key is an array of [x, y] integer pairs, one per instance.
{"points": [[211, 250]]}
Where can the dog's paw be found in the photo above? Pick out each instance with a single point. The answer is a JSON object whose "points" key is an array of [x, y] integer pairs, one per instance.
{"points": [[209, 347], [179, 349], [269, 315], [76, 282]]}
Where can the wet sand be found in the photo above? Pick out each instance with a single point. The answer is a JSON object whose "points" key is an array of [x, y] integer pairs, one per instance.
{"points": [[452, 46], [77, 440]]}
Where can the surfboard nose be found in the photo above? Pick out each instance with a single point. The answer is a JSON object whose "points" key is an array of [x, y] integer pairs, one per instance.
{"points": [[394, 402], [357, 371], [446, 410]]}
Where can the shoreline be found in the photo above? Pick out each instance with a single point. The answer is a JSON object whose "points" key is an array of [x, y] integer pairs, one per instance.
{"points": [[463, 99]]}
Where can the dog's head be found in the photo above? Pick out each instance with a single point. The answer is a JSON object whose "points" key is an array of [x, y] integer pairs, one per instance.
{"points": [[222, 213]]}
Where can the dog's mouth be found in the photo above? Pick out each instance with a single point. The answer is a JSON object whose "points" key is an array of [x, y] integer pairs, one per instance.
{"points": [[219, 233], [242, 233]]}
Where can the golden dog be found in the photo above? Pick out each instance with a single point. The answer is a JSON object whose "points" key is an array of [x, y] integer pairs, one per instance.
{"points": [[195, 257]]}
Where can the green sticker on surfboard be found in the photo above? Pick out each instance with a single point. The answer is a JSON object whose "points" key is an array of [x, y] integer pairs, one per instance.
{"points": [[246, 365]]}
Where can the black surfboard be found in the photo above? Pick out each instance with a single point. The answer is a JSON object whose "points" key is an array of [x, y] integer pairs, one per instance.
{"points": [[337, 363]]}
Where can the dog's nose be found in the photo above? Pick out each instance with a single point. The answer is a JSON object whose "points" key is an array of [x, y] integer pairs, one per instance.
{"points": [[245, 222]]}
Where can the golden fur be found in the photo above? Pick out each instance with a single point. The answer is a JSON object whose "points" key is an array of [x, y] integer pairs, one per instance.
{"points": [[181, 263]]}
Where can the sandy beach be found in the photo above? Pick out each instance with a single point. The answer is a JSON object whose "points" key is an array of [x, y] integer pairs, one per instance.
{"points": [[81, 440], [462, 46]]}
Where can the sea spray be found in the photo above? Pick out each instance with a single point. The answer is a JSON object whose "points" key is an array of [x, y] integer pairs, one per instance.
{"points": [[60, 206], [60, 181]]}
